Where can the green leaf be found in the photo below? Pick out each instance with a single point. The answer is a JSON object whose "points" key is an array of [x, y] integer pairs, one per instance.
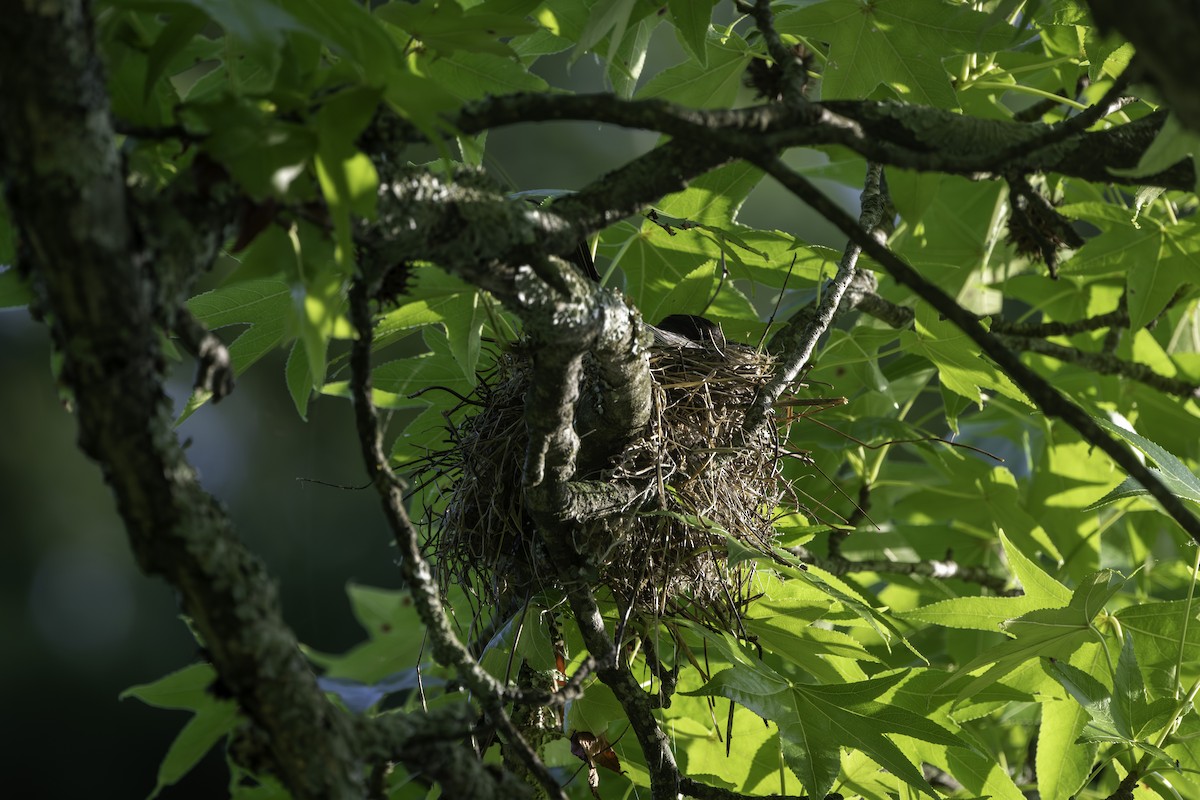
{"points": [[960, 365], [605, 18], [899, 44], [1037, 584], [974, 613], [298, 375], [437, 297], [1048, 632], [1129, 690], [14, 290], [199, 735], [692, 19], [266, 155], [1063, 765], [714, 84], [390, 619], [264, 305], [1156, 259], [442, 25], [180, 29], [380, 611], [703, 291], [816, 721], [1174, 142], [626, 62], [1092, 695], [1174, 474], [348, 178], [715, 197], [1166, 639], [470, 76], [188, 689], [260, 26], [1111, 715], [322, 316]]}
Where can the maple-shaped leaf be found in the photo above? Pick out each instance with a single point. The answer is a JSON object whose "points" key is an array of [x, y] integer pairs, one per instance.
{"points": [[961, 369], [990, 613], [1055, 632], [267, 307], [447, 28], [212, 718], [1155, 257], [897, 43], [816, 721], [1173, 473], [1121, 715]]}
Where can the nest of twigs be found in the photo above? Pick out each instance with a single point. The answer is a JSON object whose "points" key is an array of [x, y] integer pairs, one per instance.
{"points": [[701, 483]]}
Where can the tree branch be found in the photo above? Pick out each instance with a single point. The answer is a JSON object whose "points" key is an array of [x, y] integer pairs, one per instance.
{"points": [[890, 133], [418, 576], [944, 569], [795, 343], [1105, 364]]}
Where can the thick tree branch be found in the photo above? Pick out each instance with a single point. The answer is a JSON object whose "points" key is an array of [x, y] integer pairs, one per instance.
{"points": [[474, 232], [66, 190], [1047, 398], [1112, 101], [890, 133], [630, 188]]}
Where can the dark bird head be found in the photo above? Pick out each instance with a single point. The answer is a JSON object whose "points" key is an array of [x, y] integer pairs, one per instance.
{"points": [[697, 329]]}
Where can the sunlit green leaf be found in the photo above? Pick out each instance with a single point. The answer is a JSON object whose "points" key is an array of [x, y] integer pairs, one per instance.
{"points": [[899, 44], [1044, 633], [714, 84]]}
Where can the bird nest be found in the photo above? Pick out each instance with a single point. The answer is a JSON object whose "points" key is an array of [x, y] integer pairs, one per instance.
{"points": [[699, 481]]}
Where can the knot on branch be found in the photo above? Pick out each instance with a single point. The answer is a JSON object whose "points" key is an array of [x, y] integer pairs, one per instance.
{"points": [[1035, 229]]}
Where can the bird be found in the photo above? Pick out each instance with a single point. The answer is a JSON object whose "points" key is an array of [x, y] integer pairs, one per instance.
{"points": [[695, 330]]}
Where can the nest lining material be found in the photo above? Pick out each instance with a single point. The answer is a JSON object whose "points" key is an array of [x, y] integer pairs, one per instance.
{"points": [[701, 479]]}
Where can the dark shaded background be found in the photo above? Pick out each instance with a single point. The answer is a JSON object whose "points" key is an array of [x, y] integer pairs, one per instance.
{"points": [[81, 624]]}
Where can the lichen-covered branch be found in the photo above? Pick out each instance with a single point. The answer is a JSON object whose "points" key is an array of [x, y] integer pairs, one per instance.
{"points": [[66, 189], [795, 343], [942, 569], [890, 133], [506, 247]]}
